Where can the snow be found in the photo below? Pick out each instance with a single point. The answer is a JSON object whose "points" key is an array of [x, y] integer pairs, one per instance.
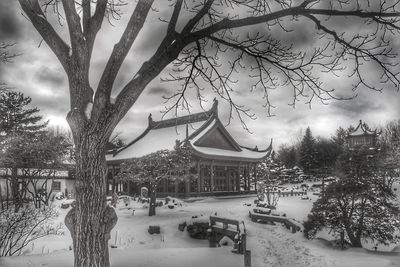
{"points": [[88, 110], [270, 245], [244, 153], [152, 142], [42, 16]]}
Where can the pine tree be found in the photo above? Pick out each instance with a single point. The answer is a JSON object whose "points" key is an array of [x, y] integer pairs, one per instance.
{"points": [[17, 122], [340, 137], [327, 151], [15, 115], [307, 152], [287, 156]]}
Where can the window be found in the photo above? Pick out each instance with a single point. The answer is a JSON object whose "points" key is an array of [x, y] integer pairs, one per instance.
{"points": [[56, 186]]}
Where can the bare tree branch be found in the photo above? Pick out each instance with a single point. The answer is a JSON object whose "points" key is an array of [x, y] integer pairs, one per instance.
{"points": [[32, 9], [174, 17], [78, 43], [200, 14], [94, 23], [121, 49]]}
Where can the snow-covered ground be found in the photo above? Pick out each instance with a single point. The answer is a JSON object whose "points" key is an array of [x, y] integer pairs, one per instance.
{"points": [[270, 245]]}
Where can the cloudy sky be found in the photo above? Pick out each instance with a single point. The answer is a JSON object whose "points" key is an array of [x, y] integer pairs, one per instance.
{"points": [[37, 73]]}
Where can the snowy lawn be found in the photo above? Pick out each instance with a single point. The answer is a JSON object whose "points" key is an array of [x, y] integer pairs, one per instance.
{"points": [[270, 245]]}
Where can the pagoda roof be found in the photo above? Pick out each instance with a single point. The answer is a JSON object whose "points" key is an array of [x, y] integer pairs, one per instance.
{"points": [[203, 132], [201, 148], [362, 129]]}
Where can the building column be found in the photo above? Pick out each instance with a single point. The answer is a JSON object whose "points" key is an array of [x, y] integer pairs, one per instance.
{"points": [[187, 183], [227, 179], [248, 177], [129, 188], [198, 178], [113, 180], [212, 176], [255, 177], [176, 184], [238, 178], [245, 178]]}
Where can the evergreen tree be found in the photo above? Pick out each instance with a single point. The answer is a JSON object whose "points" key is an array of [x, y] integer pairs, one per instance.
{"points": [[287, 156], [15, 115], [340, 137], [359, 205], [17, 122], [307, 152], [326, 152]]}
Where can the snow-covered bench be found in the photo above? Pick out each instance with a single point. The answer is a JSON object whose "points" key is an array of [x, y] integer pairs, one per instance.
{"points": [[263, 218]]}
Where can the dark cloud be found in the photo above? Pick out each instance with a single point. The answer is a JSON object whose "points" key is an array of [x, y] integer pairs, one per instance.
{"points": [[357, 106], [158, 90], [9, 25], [38, 74], [51, 77]]}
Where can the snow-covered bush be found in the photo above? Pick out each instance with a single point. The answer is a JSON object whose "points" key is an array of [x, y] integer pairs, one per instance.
{"points": [[18, 229]]}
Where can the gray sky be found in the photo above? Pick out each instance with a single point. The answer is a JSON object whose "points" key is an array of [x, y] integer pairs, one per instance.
{"points": [[38, 74]]}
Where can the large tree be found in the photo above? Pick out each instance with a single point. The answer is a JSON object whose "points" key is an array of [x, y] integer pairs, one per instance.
{"points": [[359, 206], [37, 157], [148, 170], [153, 168], [16, 117], [197, 36], [287, 155], [389, 158], [307, 152], [18, 122], [326, 152]]}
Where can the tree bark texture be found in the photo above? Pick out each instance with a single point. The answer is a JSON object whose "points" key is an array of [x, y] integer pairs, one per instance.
{"points": [[91, 220], [15, 189]]}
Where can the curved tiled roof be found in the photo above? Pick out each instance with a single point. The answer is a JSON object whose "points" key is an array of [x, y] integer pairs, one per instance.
{"points": [[192, 130], [362, 129]]}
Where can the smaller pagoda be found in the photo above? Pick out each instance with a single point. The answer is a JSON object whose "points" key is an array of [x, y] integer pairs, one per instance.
{"points": [[362, 135]]}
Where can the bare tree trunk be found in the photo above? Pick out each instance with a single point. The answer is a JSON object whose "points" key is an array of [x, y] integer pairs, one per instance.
{"points": [[354, 240], [7, 194], [15, 189], [91, 220], [153, 195], [1, 198]]}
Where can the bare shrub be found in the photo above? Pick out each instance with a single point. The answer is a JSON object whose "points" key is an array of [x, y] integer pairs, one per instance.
{"points": [[18, 229]]}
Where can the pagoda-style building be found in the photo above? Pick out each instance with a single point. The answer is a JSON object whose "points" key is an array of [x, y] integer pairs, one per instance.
{"points": [[222, 166], [362, 135]]}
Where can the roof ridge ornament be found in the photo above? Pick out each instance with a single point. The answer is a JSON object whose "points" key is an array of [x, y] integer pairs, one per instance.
{"points": [[151, 122], [187, 119]]}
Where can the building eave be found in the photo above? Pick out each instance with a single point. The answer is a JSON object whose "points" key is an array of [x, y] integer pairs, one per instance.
{"points": [[221, 157]]}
